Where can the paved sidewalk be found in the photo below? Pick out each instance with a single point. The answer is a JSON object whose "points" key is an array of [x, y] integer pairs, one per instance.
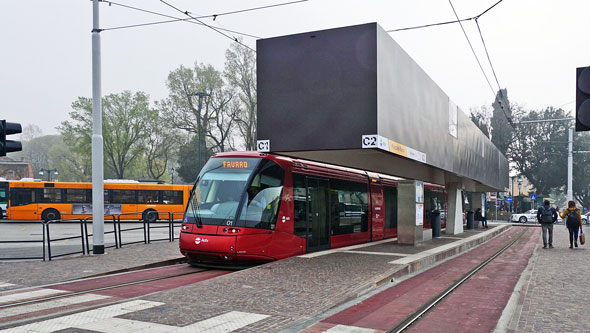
{"points": [[555, 294]]}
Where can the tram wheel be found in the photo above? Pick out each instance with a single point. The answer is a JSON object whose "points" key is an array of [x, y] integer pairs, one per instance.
{"points": [[50, 215]]}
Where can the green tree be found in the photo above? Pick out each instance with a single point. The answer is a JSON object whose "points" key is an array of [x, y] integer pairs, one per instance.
{"points": [[501, 130], [539, 150], [181, 106], [125, 120], [240, 71], [581, 176]]}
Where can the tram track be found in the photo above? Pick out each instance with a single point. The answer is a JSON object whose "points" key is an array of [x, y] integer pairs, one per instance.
{"points": [[39, 303], [430, 305], [93, 290]]}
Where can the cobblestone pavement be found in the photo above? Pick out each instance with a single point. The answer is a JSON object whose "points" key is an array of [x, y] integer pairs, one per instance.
{"points": [[36, 272], [289, 291], [554, 296]]}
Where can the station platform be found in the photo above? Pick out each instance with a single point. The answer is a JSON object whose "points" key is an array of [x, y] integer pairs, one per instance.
{"points": [[300, 293]]}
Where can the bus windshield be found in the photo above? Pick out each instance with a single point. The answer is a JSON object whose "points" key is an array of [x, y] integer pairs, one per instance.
{"points": [[216, 196]]}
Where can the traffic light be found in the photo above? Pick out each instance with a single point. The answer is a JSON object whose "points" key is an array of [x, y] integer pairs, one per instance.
{"points": [[9, 146], [583, 99]]}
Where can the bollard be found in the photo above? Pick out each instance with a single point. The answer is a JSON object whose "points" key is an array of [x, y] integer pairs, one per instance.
{"points": [[435, 223], [469, 220]]}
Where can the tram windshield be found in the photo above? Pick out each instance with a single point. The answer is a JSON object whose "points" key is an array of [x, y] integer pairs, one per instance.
{"points": [[224, 183]]}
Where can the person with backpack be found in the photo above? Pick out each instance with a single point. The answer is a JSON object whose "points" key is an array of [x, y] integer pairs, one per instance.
{"points": [[573, 221], [547, 215]]}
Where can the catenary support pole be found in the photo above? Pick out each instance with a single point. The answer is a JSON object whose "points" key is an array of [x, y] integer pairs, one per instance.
{"points": [[97, 145], [570, 164]]}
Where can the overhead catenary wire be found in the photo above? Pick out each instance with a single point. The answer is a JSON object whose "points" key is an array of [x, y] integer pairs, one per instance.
{"points": [[479, 62], [235, 39], [447, 22], [172, 19]]}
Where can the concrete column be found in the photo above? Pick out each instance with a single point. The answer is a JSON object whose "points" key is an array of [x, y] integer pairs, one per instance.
{"points": [[407, 230], [478, 200], [454, 209]]}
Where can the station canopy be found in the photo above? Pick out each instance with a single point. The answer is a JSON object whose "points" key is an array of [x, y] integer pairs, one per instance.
{"points": [[352, 96]]}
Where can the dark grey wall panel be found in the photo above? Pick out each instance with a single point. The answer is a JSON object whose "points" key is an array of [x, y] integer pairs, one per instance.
{"points": [[321, 91], [317, 90]]}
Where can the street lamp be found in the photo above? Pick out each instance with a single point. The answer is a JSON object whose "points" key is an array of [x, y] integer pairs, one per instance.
{"points": [[48, 173], [200, 95], [172, 174]]}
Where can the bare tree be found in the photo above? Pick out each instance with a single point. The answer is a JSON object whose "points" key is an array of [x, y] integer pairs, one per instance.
{"points": [[240, 71]]}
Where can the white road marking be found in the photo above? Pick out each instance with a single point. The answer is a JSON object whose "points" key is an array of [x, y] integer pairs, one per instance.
{"points": [[78, 320], [379, 253], [5, 284], [21, 296], [347, 248], [439, 249], [349, 329], [67, 301], [228, 322], [102, 320]]}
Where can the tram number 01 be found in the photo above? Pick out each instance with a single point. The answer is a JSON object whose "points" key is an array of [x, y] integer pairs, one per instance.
{"points": [[263, 145]]}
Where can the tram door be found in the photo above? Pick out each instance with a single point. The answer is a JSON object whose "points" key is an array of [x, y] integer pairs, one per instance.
{"points": [[318, 217]]}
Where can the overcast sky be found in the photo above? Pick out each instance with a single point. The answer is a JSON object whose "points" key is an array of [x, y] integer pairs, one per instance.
{"points": [[45, 57]]}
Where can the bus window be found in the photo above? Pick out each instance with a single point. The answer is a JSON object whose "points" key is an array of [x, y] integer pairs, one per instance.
{"points": [[149, 197], [124, 196], [75, 195], [51, 195], [172, 197], [22, 196]]}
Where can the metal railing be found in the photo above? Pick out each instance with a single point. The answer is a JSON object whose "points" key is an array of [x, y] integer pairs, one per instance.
{"points": [[168, 221], [20, 241]]}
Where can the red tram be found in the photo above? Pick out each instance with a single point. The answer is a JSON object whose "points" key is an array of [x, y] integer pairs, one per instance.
{"points": [[250, 207]]}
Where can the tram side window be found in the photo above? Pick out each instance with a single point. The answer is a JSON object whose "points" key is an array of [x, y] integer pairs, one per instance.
{"points": [[124, 196], [172, 197], [76, 195], [390, 194], [349, 207], [299, 203], [51, 195], [22, 196], [147, 197], [263, 198]]}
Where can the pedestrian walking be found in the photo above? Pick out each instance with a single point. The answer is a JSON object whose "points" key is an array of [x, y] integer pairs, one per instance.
{"points": [[547, 215], [573, 222], [479, 217]]}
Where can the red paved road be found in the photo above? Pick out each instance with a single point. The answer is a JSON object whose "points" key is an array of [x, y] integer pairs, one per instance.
{"points": [[384, 310]]}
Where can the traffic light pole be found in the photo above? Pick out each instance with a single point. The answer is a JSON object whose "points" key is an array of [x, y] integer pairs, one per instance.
{"points": [[97, 141], [570, 164]]}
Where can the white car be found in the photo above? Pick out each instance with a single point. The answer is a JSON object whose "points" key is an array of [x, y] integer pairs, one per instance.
{"points": [[529, 215]]}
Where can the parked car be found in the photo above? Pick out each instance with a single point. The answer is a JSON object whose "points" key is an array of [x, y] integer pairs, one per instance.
{"points": [[531, 216], [586, 218]]}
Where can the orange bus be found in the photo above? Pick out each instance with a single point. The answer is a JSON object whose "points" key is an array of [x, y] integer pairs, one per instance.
{"points": [[37, 200]]}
